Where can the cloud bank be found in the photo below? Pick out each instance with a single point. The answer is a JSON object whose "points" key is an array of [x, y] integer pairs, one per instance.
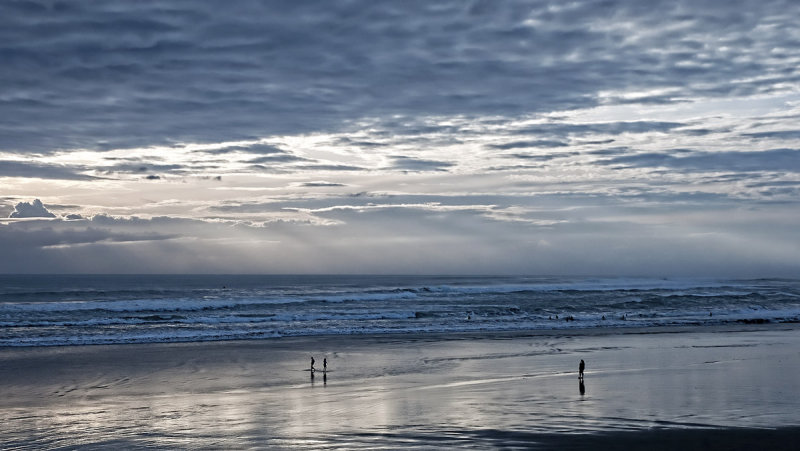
{"points": [[609, 137], [115, 74]]}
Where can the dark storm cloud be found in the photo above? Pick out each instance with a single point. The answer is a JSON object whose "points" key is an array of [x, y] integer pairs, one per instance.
{"points": [[134, 167], [111, 74], [345, 141], [543, 157], [322, 184], [611, 151], [330, 167], [782, 192], [41, 171], [783, 134], [770, 184], [282, 158], [600, 141], [260, 149], [418, 165], [37, 237], [778, 160], [75, 244], [701, 131], [544, 143], [610, 128]]}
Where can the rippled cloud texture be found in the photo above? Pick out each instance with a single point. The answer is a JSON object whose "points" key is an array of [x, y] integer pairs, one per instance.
{"points": [[589, 137]]}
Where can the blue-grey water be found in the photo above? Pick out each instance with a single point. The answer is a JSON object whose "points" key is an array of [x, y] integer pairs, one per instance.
{"points": [[47, 310]]}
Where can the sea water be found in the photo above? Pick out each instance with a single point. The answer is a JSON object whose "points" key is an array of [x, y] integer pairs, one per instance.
{"points": [[48, 310]]}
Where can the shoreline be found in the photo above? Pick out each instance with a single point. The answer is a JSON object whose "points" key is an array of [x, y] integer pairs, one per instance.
{"points": [[456, 335], [643, 388]]}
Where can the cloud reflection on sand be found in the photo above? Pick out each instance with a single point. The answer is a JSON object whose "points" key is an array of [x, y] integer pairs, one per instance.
{"points": [[383, 391]]}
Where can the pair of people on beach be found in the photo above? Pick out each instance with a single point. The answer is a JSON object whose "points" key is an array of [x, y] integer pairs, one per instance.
{"points": [[324, 365]]}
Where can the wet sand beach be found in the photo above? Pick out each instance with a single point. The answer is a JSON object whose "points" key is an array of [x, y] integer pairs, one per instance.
{"points": [[693, 388]]}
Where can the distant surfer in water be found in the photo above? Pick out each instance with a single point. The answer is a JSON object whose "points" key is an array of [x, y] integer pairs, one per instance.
{"points": [[312, 363], [581, 367]]}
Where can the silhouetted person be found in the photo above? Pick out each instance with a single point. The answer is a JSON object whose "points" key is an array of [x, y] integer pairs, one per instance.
{"points": [[312, 364], [325, 365], [581, 367], [581, 387]]}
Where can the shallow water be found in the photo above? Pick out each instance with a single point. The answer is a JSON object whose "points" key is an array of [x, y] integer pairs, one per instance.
{"points": [[395, 391]]}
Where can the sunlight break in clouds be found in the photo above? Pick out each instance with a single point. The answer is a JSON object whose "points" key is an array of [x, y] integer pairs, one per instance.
{"points": [[609, 138]]}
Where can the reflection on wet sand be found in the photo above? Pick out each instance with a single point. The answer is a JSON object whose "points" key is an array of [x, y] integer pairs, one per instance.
{"points": [[230, 399]]}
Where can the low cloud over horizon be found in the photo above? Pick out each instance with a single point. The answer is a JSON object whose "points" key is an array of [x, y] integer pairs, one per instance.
{"points": [[592, 138]]}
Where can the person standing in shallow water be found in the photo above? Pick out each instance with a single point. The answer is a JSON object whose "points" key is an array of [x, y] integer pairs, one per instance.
{"points": [[325, 365], [581, 367], [312, 363]]}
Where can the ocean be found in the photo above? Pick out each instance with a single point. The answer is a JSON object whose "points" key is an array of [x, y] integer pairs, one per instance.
{"points": [[57, 310]]}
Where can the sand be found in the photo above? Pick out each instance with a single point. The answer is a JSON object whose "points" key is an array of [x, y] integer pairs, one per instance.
{"points": [[710, 388]]}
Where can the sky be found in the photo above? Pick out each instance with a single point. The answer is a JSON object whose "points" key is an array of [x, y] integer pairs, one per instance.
{"points": [[608, 138]]}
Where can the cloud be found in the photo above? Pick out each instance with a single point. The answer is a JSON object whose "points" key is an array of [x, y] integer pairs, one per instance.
{"points": [[106, 75], [138, 166], [469, 132], [42, 171], [587, 234], [607, 128], [526, 144], [779, 160], [611, 151], [57, 246], [260, 149], [404, 163], [778, 134], [283, 158], [33, 209], [543, 157], [330, 167], [321, 184]]}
